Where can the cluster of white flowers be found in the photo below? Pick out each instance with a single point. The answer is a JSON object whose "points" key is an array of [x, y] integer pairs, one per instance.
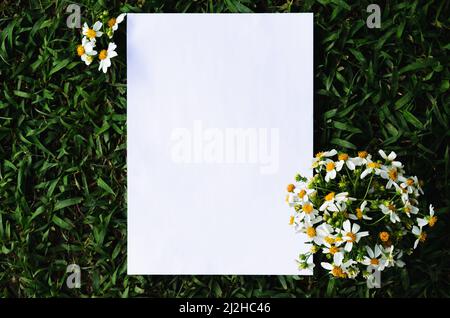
{"points": [[361, 214], [86, 50]]}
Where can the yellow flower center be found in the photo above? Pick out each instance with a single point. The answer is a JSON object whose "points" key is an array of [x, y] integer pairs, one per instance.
{"points": [[423, 236], [307, 208], [384, 236], [291, 220], [329, 239], [310, 231], [329, 196], [319, 155], [343, 156], [313, 249], [351, 236], [373, 165], [338, 239], [338, 272], [111, 22], [80, 50], [290, 187], [90, 33], [391, 207], [301, 194], [393, 174], [432, 221], [330, 166], [103, 54], [359, 213], [362, 154], [333, 250], [410, 182], [374, 261]]}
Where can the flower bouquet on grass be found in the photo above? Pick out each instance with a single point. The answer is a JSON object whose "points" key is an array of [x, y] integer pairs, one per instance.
{"points": [[361, 212], [91, 35]]}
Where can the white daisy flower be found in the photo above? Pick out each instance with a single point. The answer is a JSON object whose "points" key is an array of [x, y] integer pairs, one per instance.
{"points": [[319, 156], [429, 219], [325, 231], [352, 234], [332, 200], [309, 228], [344, 158], [392, 174], [94, 32], [360, 213], [410, 209], [331, 248], [409, 184], [105, 57], [390, 209], [403, 192], [331, 169], [308, 212], [371, 167], [304, 194], [390, 259], [362, 159], [113, 23], [86, 51], [336, 268], [420, 235], [390, 159], [375, 258]]}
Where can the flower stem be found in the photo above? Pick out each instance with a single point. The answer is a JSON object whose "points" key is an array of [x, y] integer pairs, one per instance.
{"points": [[368, 187]]}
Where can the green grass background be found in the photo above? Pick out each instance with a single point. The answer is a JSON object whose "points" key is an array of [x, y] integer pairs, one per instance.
{"points": [[63, 150]]}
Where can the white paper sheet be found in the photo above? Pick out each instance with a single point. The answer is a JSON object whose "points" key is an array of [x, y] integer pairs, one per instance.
{"points": [[220, 119]]}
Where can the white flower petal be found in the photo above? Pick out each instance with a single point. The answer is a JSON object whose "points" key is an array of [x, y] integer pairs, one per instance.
{"points": [[365, 173], [339, 165], [327, 266], [111, 46], [421, 222], [350, 164], [347, 226], [392, 156], [97, 26], [120, 18], [382, 154], [112, 54], [348, 247], [338, 258]]}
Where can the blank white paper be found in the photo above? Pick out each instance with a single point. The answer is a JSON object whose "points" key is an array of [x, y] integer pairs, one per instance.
{"points": [[219, 120]]}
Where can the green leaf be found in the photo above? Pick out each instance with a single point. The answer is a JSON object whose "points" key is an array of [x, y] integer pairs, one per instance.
{"points": [[62, 223], [419, 64], [403, 100], [282, 280], [22, 94], [343, 143], [66, 203], [412, 119], [102, 184], [59, 66]]}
